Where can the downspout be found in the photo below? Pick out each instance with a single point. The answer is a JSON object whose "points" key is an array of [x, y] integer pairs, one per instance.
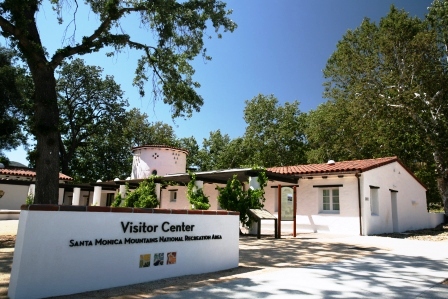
{"points": [[160, 196], [358, 175]]}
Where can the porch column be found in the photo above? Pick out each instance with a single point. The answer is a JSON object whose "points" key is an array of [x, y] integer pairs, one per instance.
{"points": [[61, 196], [31, 190], [199, 184], [76, 196], [97, 195], [123, 191], [159, 194], [254, 185]]}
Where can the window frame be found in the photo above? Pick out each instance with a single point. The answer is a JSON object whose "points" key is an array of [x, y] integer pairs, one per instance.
{"points": [[331, 200], [374, 201]]}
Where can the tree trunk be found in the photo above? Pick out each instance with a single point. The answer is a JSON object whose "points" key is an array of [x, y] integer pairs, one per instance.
{"points": [[46, 119]]}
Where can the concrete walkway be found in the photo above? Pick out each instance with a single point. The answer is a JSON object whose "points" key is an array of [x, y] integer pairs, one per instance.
{"points": [[393, 268], [396, 269]]}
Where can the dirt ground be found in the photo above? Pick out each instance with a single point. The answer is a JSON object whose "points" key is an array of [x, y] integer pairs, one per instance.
{"points": [[439, 233], [256, 256]]}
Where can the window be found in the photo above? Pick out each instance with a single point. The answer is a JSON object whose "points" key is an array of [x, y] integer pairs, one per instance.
{"points": [[173, 195], [330, 200], [374, 205]]}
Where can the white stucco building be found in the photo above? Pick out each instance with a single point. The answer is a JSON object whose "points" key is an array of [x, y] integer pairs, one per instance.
{"points": [[157, 160], [365, 197], [359, 197], [16, 183]]}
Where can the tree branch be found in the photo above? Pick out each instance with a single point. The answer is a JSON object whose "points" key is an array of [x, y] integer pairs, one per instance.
{"points": [[95, 38]]}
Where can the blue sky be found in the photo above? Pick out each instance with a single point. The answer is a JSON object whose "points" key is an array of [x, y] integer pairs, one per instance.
{"points": [[280, 47]]}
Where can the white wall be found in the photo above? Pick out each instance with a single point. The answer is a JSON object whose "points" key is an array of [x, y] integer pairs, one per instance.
{"points": [[15, 196], [411, 200], [311, 219], [182, 200], [45, 265], [435, 219], [164, 160]]}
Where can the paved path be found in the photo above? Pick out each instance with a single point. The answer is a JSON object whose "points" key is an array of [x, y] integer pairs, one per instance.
{"points": [[347, 267], [8, 227], [375, 276], [396, 269]]}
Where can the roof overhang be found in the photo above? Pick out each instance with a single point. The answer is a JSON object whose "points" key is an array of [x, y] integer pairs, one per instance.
{"points": [[214, 177], [327, 174], [222, 176]]}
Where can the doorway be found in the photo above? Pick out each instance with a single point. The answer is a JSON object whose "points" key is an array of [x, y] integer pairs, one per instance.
{"points": [[394, 204]]}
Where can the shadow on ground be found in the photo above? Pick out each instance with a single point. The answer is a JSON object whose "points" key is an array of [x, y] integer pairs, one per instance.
{"points": [[378, 275], [256, 256], [365, 271], [5, 269], [294, 252]]}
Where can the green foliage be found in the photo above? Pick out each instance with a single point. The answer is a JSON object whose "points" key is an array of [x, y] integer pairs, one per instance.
{"points": [[274, 134], [12, 99], [139, 131], [118, 199], [213, 148], [88, 105], [388, 97], [191, 146], [175, 37], [196, 196], [144, 196], [232, 197], [93, 160], [29, 199]]}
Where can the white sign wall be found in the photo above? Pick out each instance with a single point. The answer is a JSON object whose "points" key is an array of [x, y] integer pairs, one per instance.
{"points": [[67, 252]]}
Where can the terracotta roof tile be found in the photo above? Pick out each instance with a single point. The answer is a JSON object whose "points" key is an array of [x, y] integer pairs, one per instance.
{"points": [[344, 166], [27, 172]]}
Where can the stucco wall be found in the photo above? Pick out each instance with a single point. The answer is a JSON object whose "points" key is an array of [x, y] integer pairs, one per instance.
{"points": [[310, 217], [15, 196], [411, 200], [163, 160], [182, 201]]}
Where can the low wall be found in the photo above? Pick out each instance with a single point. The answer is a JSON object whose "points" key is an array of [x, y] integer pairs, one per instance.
{"points": [[71, 249], [9, 214], [435, 219]]}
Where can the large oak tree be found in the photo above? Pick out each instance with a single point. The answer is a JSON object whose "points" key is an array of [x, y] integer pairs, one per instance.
{"points": [[274, 133], [175, 37], [88, 105], [12, 96], [388, 91]]}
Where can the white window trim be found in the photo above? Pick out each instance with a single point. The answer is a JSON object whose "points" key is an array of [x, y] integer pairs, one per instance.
{"points": [[321, 201], [374, 201]]}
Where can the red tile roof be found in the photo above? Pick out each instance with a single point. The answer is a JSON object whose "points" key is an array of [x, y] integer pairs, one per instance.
{"points": [[26, 172], [337, 167]]}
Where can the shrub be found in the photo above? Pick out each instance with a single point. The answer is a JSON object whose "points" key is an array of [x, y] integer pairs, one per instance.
{"points": [[144, 196], [196, 196], [232, 197]]}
